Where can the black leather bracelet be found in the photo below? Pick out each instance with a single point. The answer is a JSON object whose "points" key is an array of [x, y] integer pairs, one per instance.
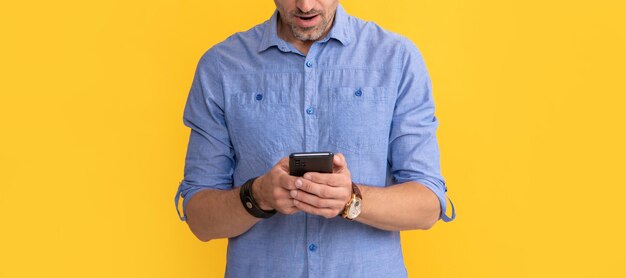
{"points": [[248, 202]]}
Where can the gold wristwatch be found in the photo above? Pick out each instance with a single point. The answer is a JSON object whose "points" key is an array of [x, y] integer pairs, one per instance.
{"points": [[353, 207]]}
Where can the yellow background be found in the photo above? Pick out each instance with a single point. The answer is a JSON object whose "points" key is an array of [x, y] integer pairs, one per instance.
{"points": [[530, 95]]}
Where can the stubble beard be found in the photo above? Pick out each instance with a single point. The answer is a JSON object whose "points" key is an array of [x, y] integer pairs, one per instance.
{"points": [[312, 33]]}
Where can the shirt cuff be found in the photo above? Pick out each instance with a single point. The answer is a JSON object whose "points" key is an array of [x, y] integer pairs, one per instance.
{"points": [[186, 191], [440, 191]]}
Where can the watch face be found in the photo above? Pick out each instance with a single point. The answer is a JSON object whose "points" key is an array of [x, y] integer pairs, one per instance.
{"points": [[355, 209]]}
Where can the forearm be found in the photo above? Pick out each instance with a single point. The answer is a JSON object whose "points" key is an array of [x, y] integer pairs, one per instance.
{"points": [[405, 206], [215, 214]]}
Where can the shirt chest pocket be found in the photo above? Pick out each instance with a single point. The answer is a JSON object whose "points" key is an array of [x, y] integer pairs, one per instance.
{"points": [[360, 118], [263, 121]]}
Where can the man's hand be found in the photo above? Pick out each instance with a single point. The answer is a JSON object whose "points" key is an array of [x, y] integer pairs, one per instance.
{"points": [[271, 190], [324, 194]]}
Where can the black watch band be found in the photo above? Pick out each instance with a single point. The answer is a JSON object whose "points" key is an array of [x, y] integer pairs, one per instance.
{"points": [[248, 202]]}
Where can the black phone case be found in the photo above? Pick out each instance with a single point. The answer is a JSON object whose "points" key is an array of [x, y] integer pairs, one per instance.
{"points": [[300, 163]]}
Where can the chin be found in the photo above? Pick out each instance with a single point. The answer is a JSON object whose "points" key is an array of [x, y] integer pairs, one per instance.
{"points": [[312, 35]]}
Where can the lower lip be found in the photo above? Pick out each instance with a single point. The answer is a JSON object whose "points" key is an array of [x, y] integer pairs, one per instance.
{"points": [[308, 23]]}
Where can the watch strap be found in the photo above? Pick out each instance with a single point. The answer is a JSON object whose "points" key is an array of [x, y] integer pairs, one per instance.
{"points": [[356, 191]]}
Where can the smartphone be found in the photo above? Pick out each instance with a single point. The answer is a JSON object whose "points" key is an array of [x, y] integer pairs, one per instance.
{"points": [[300, 163]]}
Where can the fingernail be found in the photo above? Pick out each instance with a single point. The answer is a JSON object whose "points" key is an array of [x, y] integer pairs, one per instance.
{"points": [[307, 176], [296, 202], [298, 183], [293, 193]]}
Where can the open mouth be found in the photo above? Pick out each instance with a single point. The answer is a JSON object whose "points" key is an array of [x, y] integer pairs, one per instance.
{"points": [[307, 21], [307, 18]]}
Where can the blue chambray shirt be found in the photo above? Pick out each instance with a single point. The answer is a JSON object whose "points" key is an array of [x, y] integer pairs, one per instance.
{"points": [[360, 91]]}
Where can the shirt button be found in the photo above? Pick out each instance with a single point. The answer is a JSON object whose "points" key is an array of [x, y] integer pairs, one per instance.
{"points": [[259, 97], [309, 64], [358, 93], [310, 110], [312, 247]]}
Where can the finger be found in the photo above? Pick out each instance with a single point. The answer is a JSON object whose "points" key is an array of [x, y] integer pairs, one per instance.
{"points": [[339, 163], [320, 190], [280, 193], [325, 191], [288, 182], [288, 210], [329, 179], [308, 186], [325, 212], [285, 204], [291, 210], [321, 178], [316, 201]]}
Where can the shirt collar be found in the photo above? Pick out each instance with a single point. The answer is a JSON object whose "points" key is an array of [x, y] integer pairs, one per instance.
{"points": [[340, 31]]}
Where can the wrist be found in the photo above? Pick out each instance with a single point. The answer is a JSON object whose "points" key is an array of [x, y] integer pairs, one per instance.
{"points": [[256, 193], [250, 204]]}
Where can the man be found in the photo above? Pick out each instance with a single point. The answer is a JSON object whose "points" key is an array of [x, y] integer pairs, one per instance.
{"points": [[312, 78]]}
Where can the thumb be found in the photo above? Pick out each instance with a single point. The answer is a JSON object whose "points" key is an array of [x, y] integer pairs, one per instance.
{"points": [[339, 163]]}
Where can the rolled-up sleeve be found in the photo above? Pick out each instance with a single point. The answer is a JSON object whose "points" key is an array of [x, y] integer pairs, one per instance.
{"points": [[210, 157], [414, 152]]}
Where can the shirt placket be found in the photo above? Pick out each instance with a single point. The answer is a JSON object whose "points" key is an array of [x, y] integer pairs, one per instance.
{"points": [[311, 143]]}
